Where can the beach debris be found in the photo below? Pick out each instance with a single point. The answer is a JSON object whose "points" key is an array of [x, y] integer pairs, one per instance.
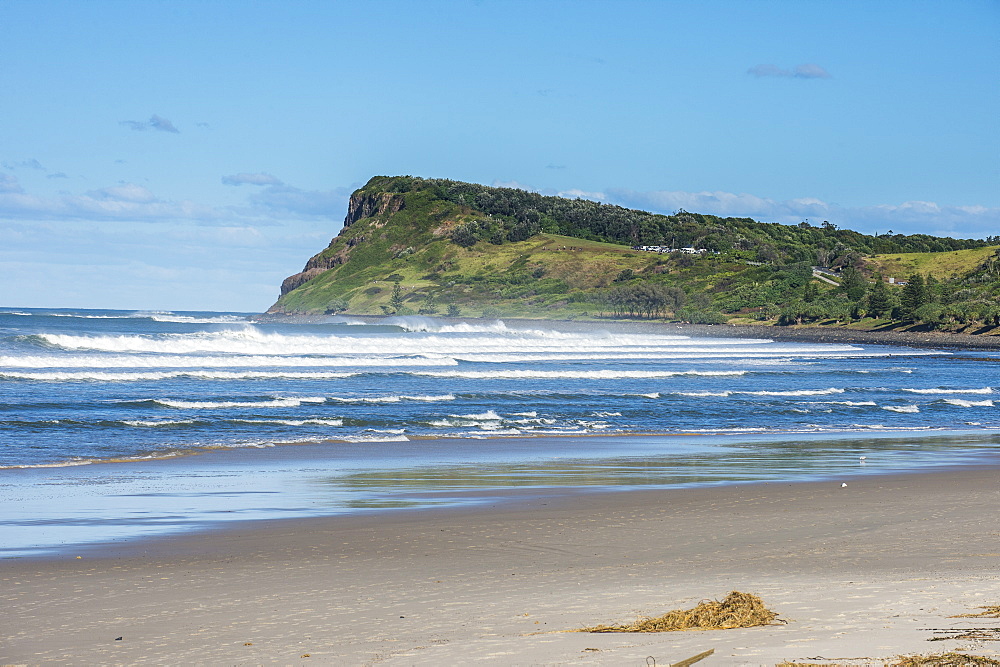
{"points": [[990, 612], [737, 610], [693, 659], [118, 639], [974, 634], [950, 659], [982, 634]]}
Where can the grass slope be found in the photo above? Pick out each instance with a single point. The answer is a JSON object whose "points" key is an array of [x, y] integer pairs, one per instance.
{"points": [[941, 265]]}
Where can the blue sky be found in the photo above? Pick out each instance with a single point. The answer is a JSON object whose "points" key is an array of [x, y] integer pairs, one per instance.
{"points": [[191, 154]]}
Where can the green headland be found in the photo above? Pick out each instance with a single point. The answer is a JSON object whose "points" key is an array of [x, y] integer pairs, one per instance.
{"points": [[439, 247]]}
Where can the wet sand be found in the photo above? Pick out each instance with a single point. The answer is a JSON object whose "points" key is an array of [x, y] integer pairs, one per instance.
{"points": [[859, 573]]}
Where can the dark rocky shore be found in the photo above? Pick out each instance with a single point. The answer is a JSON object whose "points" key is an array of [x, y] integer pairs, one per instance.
{"points": [[922, 339]]}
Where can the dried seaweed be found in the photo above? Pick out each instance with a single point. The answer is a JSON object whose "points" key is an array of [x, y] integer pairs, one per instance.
{"points": [[990, 612], [737, 610], [950, 659]]}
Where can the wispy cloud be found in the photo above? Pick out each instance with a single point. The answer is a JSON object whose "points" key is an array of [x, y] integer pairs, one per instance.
{"points": [[911, 217], [125, 201], [805, 71], [277, 198], [274, 203], [259, 178], [25, 164], [155, 122], [9, 184], [282, 199]]}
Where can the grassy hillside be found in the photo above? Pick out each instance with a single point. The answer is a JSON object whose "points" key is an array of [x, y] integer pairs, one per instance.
{"points": [[941, 265], [442, 247]]}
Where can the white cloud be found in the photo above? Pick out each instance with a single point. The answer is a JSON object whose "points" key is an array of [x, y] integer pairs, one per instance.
{"points": [[582, 194], [513, 184]]}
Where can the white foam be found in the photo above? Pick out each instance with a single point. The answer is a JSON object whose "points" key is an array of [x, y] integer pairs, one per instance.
{"points": [[939, 390], [187, 319], [704, 394], [293, 422], [908, 409], [968, 404], [391, 399], [795, 392], [566, 374], [158, 423], [99, 376], [166, 361], [210, 405], [472, 340], [488, 415], [850, 404], [374, 438]]}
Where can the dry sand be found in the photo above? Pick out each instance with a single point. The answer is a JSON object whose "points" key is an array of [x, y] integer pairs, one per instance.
{"points": [[860, 573]]}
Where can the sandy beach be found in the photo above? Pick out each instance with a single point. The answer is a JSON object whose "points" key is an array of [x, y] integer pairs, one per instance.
{"points": [[860, 573]]}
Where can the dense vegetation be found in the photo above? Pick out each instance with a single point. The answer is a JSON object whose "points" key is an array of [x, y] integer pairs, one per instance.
{"points": [[436, 246], [516, 215]]}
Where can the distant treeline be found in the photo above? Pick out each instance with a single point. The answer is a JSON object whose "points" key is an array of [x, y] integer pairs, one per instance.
{"points": [[515, 215]]}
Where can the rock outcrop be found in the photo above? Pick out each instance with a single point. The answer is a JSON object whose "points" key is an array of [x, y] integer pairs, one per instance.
{"points": [[362, 205], [368, 205]]}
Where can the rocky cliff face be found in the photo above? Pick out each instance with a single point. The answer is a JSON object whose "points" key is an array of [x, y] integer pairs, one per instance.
{"points": [[368, 205], [362, 205]]}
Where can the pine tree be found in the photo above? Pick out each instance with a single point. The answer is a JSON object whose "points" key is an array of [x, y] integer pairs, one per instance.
{"points": [[853, 283], [878, 297], [396, 300], [914, 295]]}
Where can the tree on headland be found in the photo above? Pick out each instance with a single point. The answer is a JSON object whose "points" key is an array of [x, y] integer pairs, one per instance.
{"points": [[396, 300], [879, 302], [853, 283], [914, 295]]}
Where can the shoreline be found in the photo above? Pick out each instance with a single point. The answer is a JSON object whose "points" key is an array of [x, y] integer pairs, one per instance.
{"points": [[226, 487], [860, 572]]}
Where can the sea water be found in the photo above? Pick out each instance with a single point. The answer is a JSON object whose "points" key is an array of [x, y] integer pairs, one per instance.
{"points": [[115, 424]]}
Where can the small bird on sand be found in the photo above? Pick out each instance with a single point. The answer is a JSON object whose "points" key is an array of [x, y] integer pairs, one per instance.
{"points": [[844, 485]]}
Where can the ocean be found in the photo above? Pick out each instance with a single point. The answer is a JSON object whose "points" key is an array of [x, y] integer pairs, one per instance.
{"points": [[116, 424]]}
